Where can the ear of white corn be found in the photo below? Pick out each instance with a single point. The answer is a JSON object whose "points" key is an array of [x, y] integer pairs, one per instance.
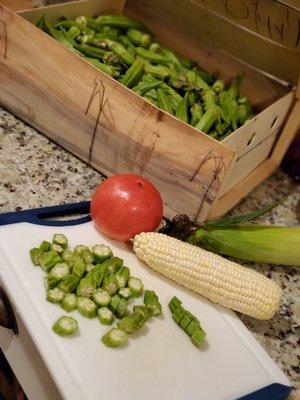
{"points": [[220, 280]]}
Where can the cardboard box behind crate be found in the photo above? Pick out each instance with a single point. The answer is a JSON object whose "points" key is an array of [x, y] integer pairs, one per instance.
{"points": [[173, 164]]}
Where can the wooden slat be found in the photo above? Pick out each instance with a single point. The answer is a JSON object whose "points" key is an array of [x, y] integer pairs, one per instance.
{"points": [[16, 5], [240, 191], [221, 33], [289, 131]]}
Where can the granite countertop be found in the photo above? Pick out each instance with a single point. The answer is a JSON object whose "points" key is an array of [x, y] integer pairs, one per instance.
{"points": [[35, 172]]}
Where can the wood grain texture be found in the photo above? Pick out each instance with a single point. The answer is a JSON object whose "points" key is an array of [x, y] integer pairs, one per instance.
{"points": [[17, 5], [221, 33], [240, 191]]}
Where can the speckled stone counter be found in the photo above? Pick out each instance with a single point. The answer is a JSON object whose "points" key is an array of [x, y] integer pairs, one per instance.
{"points": [[35, 172]]}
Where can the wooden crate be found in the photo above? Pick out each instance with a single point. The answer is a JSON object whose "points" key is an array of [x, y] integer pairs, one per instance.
{"points": [[115, 130]]}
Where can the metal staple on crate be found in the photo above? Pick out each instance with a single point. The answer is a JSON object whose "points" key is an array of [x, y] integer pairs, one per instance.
{"points": [[98, 91]]}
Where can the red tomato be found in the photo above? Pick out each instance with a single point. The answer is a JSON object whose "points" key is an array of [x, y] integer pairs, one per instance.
{"points": [[125, 205]]}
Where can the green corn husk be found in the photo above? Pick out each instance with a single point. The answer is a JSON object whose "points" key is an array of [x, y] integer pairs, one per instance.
{"points": [[260, 243]]}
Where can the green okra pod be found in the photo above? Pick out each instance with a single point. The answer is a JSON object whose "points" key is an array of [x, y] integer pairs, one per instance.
{"points": [[218, 86], [198, 337], [112, 265], [133, 74], [234, 88], [59, 271], [182, 109], [35, 253], [121, 308], [120, 21], [207, 120], [108, 69], [86, 307], [172, 93], [129, 324], [121, 51], [143, 88], [67, 256], [69, 302], [105, 316], [114, 338], [230, 107], [90, 51], [73, 32], [139, 38], [114, 303], [65, 326], [170, 55], [48, 260], [155, 58], [155, 47], [151, 300], [163, 101], [196, 113], [125, 41], [159, 71], [69, 283], [174, 303]]}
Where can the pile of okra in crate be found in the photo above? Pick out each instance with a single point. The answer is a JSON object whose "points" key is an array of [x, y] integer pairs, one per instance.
{"points": [[95, 283], [126, 50]]}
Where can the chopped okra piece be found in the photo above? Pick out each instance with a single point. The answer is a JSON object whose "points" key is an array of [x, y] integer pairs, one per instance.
{"points": [[49, 259], [114, 338], [35, 253], [174, 303], [101, 297], [87, 256], [122, 276], [105, 316], [198, 337], [144, 312], [101, 253], [55, 295], [131, 323], [136, 286], [61, 240], [86, 307], [98, 274], [121, 308], [67, 256], [69, 302], [59, 270], [86, 286], [178, 314], [151, 300], [192, 326], [125, 293], [185, 320], [110, 284], [50, 282], [80, 248], [114, 303], [45, 246], [69, 283], [89, 267], [113, 264], [65, 326], [79, 267], [56, 247]]}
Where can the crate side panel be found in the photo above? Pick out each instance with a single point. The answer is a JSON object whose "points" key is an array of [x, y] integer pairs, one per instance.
{"points": [[131, 134]]}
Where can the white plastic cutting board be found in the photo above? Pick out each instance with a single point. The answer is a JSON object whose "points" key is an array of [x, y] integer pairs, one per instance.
{"points": [[159, 364]]}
